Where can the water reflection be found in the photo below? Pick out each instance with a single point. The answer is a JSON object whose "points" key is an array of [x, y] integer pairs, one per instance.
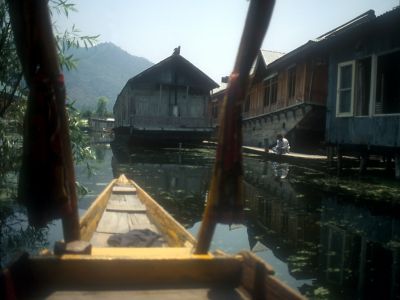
{"points": [[281, 170], [177, 179], [360, 250], [345, 251], [319, 243]]}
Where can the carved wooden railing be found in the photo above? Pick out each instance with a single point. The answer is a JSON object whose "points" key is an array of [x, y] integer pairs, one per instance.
{"points": [[170, 122]]}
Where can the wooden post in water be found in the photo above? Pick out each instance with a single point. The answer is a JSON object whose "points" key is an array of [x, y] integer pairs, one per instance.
{"points": [[329, 155], [339, 160], [363, 162], [397, 165]]}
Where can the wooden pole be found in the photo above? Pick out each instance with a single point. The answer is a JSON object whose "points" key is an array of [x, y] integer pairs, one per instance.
{"points": [[330, 155], [36, 47], [364, 157], [397, 165], [226, 183], [70, 219], [339, 160]]}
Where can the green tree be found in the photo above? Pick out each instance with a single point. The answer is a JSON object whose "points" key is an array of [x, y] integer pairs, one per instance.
{"points": [[87, 113], [13, 92], [101, 110], [11, 83], [10, 68]]}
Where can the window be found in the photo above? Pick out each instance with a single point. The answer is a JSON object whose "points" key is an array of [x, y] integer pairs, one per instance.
{"points": [[266, 95], [373, 79], [247, 104], [291, 82], [362, 87], [345, 89], [387, 99], [215, 110], [270, 90], [274, 89]]}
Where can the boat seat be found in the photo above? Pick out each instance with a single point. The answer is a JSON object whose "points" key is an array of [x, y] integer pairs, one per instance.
{"points": [[126, 208], [117, 189], [167, 294]]}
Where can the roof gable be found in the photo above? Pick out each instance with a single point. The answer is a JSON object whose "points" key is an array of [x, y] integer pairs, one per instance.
{"points": [[175, 70], [264, 58]]}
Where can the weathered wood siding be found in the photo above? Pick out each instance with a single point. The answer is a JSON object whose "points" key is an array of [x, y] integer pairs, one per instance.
{"points": [[149, 106], [215, 108], [317, 83], [98, 124], [171, 95], [305, 70], [262, 123], [262, 131], [373, 129]]}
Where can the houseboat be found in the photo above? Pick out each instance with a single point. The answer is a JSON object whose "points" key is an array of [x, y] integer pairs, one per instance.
{"points": [[101, 124], [363, 104], [287, 95], [165, 104]]}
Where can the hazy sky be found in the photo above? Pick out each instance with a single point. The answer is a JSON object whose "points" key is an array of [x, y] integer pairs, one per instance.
{"points": [[209, 31]]}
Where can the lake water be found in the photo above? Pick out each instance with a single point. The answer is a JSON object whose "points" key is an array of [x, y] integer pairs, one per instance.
{"points": [[318, 243]]}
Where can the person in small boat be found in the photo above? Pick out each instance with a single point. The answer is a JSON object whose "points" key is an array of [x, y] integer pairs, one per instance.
{"points": [[282, 145]]}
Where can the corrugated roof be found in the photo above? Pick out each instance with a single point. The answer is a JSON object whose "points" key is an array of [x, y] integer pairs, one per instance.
{"points": [[270, 56], [267, 56], [361, 19], [222, 86]]}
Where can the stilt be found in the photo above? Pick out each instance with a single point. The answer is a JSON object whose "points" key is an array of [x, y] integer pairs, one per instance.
{"points": [[397, 165], [329, 155], [388, 163], [339, 160], [363, 162]]}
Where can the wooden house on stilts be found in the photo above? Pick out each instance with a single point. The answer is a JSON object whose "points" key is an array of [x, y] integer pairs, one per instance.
{"points": [[165, 105], [287, 95], [363, 105]]}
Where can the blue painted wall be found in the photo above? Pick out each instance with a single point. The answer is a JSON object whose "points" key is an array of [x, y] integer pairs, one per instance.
{"points": [[382, 35]]}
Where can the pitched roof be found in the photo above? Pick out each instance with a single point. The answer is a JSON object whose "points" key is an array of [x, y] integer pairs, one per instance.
{"points": [[266, 57], [270, 56], [361, 19], [177, 62]]}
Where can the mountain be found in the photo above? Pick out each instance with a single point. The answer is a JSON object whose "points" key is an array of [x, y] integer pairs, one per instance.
{"points": [[102, 70]]}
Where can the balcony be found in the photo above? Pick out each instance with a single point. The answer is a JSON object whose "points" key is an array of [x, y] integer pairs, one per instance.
{"points": [[169, 122]]}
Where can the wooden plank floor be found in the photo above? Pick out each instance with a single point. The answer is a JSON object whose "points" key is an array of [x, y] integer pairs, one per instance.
{"points": [[124, 213], [291, 154], [167, 294]]}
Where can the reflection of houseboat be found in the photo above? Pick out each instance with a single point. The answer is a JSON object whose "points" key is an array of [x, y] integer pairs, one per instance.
{"points": [[166, 169], [101, 124], [177, 181], [165, 104], [360, 251], [287, 222]]}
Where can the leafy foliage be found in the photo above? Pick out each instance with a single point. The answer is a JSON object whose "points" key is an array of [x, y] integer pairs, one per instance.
{"points": [[15, 234], [10, 68], [80, 142], [101, 110], [69, 38]]}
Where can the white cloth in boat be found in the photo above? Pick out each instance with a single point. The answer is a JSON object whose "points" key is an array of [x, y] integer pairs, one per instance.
{"points": [[136, 238]]}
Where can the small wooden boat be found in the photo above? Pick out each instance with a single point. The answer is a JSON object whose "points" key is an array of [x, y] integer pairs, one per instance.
{"points": [[122, 208], [168, 270], [86, 266]]}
